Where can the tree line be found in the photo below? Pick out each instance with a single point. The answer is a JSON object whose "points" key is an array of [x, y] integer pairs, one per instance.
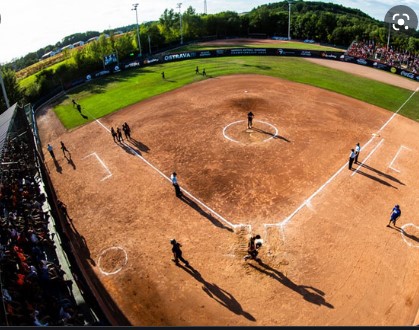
{"points": [[323, 22]]}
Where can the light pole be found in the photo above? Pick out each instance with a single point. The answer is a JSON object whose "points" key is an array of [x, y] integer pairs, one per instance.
{"points": [[388, 38], [289, 19], [180, 23], [4, 88], [135, 5], [149, 45]]}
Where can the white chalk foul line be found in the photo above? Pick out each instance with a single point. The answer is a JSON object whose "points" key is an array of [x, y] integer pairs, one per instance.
{"points": [[287, 219], [183, 190], [102, 163], [398, 110], [397, 154], [369, 155]]}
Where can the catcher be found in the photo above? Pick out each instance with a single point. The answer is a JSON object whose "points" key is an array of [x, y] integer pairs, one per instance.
{"points": [[255, 243]]}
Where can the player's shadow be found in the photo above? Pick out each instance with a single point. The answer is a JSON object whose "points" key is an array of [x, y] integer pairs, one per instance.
{"points": [[198, 209], [372, 177], [80, 112], [78, 240], [70, 161], [412, 237], [275, 136], [388, 176], [58, 167], [131, 150], [221, 296], [309, 293], [141, 146]]}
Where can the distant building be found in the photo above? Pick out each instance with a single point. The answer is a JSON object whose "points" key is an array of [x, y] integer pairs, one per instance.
{"points": [[46, 55], [71, 46], [78, 44], [92, 39]]}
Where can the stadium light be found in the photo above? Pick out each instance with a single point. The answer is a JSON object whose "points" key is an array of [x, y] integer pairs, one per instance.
{"points": [[4, 88], [135, 5], [290, 2], [389, 29], [180, 23]]}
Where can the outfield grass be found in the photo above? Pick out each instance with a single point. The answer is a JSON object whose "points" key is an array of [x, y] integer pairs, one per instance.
{"points": [[282, 44], [103, 96]]}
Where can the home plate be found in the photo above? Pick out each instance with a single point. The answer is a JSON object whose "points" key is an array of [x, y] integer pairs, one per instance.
{"points": [[245, 91]]}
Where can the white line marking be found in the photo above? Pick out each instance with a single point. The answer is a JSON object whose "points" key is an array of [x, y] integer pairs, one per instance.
{"points": [[369, 155], [183, 189], [115, 271], [287, 219], [403, 233], [103, 164], [394, 114], [398, 151]]}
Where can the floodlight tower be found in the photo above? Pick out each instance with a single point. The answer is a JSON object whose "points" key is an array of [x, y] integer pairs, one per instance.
{"points": [[205, 7], [4, 88], [180, 23], [135, 5], [289, 18]]}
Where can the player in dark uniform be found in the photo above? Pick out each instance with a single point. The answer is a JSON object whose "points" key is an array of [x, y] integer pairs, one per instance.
{"points": [[250, 116], [177, 252], [394, 215], [253, 246]]}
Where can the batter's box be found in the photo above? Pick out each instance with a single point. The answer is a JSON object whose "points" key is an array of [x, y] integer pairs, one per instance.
{"points": [[102, 166], [401, 150]]}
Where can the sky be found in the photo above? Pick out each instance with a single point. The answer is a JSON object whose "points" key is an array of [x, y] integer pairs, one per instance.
{"points": [[28, 25]]}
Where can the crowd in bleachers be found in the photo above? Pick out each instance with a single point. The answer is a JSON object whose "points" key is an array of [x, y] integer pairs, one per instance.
{"points": [[380, 53], [34, 291]]}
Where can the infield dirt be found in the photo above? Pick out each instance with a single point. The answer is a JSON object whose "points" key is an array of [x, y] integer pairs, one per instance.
{"points": [[332, 262]]}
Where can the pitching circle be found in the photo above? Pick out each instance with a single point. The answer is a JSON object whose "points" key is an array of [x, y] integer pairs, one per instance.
{"points": [[104, 252], [410, 236], [239, 135]]}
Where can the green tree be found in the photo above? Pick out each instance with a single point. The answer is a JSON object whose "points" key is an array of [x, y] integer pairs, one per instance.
{"points": [[14, 93]]}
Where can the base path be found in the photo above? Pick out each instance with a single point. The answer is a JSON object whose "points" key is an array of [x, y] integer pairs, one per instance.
{"points": [[335, 263]]}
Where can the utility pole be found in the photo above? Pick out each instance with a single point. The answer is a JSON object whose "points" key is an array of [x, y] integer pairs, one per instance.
{"points": [[205, 7], [135, 5], [4, 88], [180, 22]]}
